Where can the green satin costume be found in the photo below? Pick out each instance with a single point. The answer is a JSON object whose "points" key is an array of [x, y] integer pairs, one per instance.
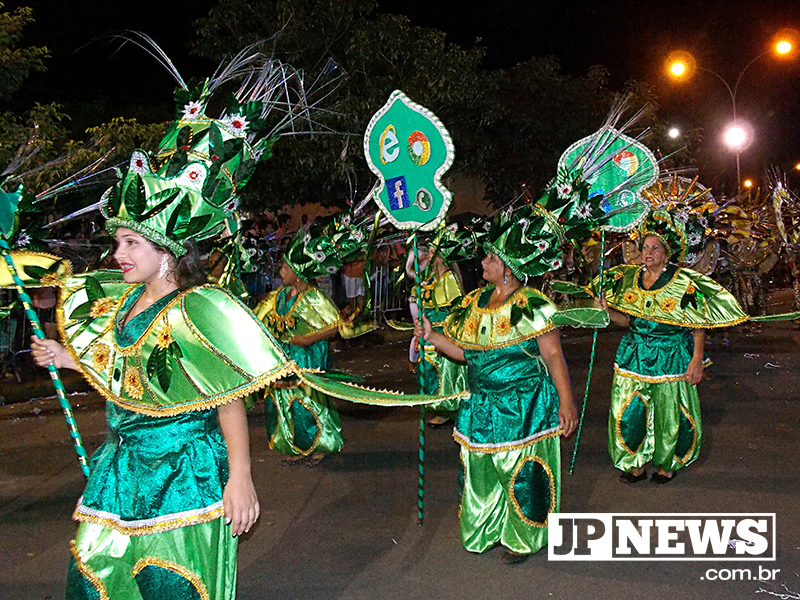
{"points": [[655, 412], [441, 375], [151, 522], [508, 427], [300, 420]]}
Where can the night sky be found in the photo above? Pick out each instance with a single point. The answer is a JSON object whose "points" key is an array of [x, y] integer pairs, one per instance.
{"points": [[629, 38]]}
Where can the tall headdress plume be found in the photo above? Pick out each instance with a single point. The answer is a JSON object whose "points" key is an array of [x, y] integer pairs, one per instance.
{"points": [[598, 185], [189, 188]]}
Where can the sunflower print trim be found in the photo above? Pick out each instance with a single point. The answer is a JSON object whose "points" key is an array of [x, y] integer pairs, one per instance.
{"points": [[503, 326], [164, 335], [630, 296], [102, 306], [132, 383], [668, 304], [100, 356]]}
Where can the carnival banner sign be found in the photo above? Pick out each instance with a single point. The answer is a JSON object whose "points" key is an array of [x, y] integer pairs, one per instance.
{"points": [[621, 168], [409, 149]]}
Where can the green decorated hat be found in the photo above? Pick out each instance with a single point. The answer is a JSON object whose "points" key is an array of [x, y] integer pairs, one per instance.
{"points": [[189, 188], [527, 240], [669, 231], [324, 248]]}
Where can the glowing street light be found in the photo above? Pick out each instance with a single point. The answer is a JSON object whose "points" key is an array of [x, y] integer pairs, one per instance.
{"points": [[678, 69], [748, 183], [682, 65], [735, 137], [674, 133]]}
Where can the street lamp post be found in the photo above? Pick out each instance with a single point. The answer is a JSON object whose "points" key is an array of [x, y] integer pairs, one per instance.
{"points": [[736, 136]]}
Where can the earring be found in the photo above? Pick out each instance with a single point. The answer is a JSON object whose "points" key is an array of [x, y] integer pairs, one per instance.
{"points": [[505, 279], [162, 268]]}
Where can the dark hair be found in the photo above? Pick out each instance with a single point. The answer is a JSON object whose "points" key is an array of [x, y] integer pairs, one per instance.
{"points": [[189, 267], [188, 270]]}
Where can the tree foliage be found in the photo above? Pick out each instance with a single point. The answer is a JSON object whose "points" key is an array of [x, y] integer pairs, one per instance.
{"points": [[42, 134], [541, 112], [17, 63], [375, 54]]}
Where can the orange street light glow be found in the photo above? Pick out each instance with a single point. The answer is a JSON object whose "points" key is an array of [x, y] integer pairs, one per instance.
{"points": [[748, 183], [680, 64], [677, 69], [786, 42]]}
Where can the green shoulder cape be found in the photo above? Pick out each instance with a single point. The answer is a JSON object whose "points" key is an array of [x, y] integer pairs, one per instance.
{"points": [[440, 291], [526, 314], [203, 348], [689, 299], [312, 312]]}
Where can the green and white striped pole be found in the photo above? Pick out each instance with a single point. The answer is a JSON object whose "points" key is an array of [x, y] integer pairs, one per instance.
{"points": [[591, 359], [421, 367], [56, 379]]}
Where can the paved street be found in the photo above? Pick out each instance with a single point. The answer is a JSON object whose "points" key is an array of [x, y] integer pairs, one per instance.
{"points": [[348, 528]]}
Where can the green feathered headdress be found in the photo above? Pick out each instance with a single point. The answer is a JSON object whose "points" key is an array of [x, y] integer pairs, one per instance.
{"points": [[598, 185], [683, 217], [669, 231], [455, 244], [324, 248], [189, 188]]}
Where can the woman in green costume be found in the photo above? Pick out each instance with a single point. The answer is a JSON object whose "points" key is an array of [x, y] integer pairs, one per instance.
{"points": [[170, 488], [655, 409], [301, 421], [520, 397]]}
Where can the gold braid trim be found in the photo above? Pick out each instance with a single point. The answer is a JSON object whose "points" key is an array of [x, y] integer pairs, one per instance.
{"points": [[84, 570], [326, 329], [188, 377], [618, 423], [262, 381], [270, 397], [651, 291], [190, 576], [649, 378], [428, 357], [511, 495], [505, 448], [506, 344], [316, 421], [207, 345], [161, 527], [682, 460], [736, 321], [361, 400]]}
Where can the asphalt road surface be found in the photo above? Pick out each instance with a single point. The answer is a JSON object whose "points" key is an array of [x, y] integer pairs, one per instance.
{"points": [[348, 528]]}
